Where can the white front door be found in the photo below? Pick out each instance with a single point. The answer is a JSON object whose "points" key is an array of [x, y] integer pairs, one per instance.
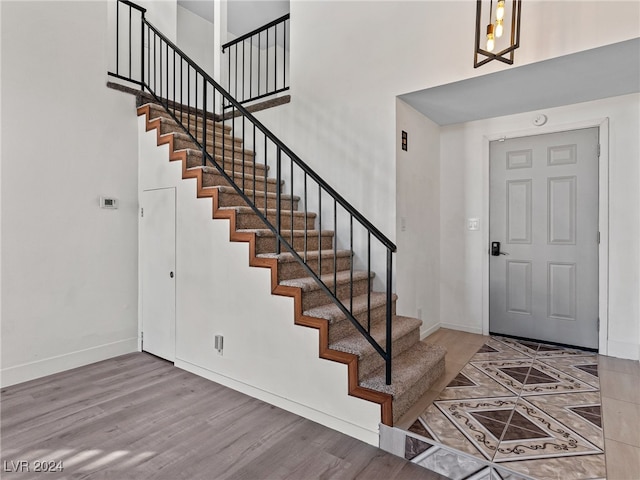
{"points": [[543, 284], [158, 261]]}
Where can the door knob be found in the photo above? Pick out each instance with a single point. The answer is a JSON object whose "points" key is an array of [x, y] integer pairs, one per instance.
{"points": [[171, 274]]}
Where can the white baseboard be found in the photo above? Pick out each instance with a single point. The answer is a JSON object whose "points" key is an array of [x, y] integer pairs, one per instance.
{"points": [[629, 351], [60, 363], [462, 328], [426, 331], [356, 431]]}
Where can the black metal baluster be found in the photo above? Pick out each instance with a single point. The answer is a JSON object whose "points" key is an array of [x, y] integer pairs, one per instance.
{"points": [[243, 60], [284, 54], [118, 38], [265, 176], [204, 121], [167, 72], [188, 97], [305, 219], [278, 209], [335, 247], [319, 230], [305, 216], [236, 74], [275, 57], [266, 54], [130, 42], [154, 62], [224, 133], [369, 284], [195, 109], [251, 67], [181, 91], [388, 349], [174, 83], [160, 72], [243, 150], [142, 50], [233, 143], [351, 264], [259, 60], [254, 163], [229, 79]]}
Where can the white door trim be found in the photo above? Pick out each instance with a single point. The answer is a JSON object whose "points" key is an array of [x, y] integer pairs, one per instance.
{"points": [[603, 216]]}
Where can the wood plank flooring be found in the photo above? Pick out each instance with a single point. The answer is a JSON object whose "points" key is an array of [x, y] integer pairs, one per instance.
{"points": [[139, 417]]}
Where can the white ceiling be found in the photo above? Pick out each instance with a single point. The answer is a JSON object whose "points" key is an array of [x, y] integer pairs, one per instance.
{"points": [[243, 16], [602, 72]]}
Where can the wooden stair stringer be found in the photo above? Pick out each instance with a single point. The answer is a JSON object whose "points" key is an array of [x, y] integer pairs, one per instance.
{"points": [[322, 325]]}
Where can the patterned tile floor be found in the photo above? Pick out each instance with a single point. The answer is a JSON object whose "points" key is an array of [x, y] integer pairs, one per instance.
{"points": [[517, 410]]}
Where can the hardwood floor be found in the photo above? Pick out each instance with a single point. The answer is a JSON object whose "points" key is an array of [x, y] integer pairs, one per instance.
{"points": [[139, 417]]}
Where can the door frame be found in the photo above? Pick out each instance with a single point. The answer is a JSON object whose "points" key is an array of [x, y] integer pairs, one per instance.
{"points": [[603, 215]]}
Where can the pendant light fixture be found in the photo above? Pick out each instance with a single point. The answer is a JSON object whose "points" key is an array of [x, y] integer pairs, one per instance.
{"points": [[494, 45]]}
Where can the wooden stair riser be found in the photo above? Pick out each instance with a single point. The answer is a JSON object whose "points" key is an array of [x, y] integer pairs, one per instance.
{"points": [[371, 360], [342, 328], [214, 179], [189, 120], [315, 298], [227, 199], [404, 402], [182, 143], [194, 160], [267, 244], [246, 220], [293, 269]]}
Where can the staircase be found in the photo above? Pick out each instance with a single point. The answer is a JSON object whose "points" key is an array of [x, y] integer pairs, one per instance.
{"points": [[416, 365]]}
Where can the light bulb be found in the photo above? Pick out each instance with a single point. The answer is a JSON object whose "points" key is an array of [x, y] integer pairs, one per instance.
{"points": [[500, 10], [490, 38], [499, 28]]}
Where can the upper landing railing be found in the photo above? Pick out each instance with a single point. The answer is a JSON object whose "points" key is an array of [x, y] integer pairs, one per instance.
{"points": [[145, 56], [258, 61]]}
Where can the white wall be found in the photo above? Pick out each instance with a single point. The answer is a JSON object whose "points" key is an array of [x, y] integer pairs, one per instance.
{"points": [[196, 38], [350, 59], [69, 269], [418, 203], [217, 292], [464, 194]]}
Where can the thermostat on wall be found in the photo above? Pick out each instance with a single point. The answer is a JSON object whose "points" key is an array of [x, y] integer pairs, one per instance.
{"points": [[106, 202]]}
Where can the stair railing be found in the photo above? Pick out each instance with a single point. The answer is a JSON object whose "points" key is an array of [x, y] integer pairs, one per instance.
{"points": [[190, 96], [258, 61]]}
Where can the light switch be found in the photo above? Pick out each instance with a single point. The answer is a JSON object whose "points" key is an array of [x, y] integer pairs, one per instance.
{"points": [[473, 224], [403, 224]]}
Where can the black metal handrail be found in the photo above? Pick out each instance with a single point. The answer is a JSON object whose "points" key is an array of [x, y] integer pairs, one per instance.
{"points": [[192, 97], [252, 80]]}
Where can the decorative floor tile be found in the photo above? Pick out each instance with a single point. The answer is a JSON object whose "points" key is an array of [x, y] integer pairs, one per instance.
{"points": [[472, 383], [519, 410]]}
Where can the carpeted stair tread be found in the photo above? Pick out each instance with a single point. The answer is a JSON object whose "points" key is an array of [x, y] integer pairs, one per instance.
{"points": [[286, 257], [265, 232], [359, 345], [248, 179], [308, 284], [249, 193], [406, 369], [177, 127], [270, 211], [194, 160], [332, 313], [159, 110], [218, 146]]}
